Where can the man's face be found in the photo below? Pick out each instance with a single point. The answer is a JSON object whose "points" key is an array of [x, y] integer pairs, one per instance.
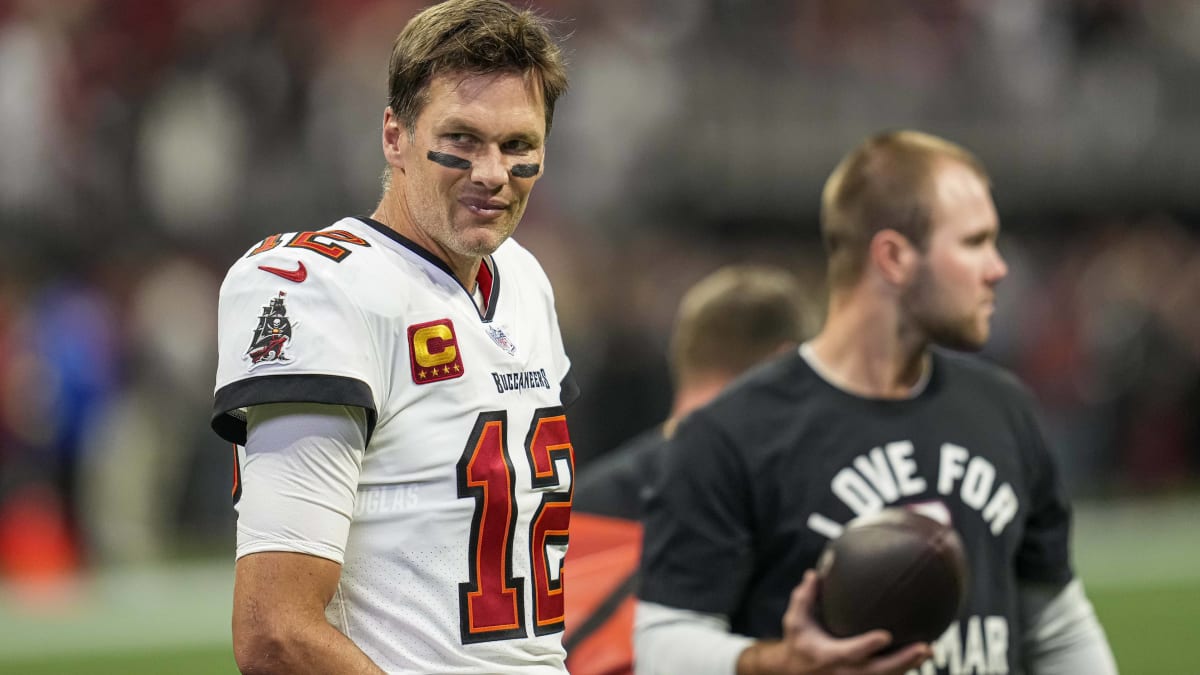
{"points": [[952, 299], [496, 123]]}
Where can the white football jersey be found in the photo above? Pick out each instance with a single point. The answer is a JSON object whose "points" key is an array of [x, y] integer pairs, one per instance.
{"points": [[453, 562]]}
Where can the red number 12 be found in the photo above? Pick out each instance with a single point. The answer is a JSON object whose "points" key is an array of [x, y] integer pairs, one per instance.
{"points": [[492, 603]]}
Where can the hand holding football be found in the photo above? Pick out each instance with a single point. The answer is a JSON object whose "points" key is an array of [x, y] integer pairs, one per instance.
{"points": [[896, 570]]}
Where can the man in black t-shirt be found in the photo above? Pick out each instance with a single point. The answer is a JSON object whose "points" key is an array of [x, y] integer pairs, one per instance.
{"points": [[871, 413]]}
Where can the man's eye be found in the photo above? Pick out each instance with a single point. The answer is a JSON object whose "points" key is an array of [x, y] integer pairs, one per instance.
{"points": [[517, 147]]}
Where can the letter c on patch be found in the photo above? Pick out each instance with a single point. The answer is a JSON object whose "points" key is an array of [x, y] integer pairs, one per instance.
{"points": [[433, 352], [434, 345]]}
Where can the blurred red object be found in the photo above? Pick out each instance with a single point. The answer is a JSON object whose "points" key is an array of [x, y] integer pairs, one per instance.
{"points": [[35, 544], [599, 571]]}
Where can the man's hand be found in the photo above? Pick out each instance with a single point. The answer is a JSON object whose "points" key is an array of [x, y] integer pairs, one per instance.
{"points": [[806, 649]]}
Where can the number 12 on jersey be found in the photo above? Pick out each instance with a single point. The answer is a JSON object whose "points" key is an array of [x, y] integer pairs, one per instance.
{"points": [[492, 603]]}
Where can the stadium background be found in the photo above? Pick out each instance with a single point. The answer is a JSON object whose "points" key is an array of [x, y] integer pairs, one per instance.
{"points": [[144, 144]]}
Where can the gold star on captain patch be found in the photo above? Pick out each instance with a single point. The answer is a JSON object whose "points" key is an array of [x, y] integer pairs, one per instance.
{"points": [[456, 368], [421, 374], [445, 370]]}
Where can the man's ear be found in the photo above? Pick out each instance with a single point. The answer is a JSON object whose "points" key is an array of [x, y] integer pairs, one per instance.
{"points": [[894, 257], [395, 140]]}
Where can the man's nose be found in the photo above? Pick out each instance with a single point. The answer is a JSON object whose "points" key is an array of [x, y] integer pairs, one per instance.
{"points": [[998, 269], [488, 169]]}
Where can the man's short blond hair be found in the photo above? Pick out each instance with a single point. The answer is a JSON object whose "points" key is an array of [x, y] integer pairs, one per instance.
{"points": [[734, 318], [884, 183]]}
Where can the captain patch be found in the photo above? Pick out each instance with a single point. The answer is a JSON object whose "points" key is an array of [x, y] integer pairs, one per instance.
{"points": [[433, 352]]}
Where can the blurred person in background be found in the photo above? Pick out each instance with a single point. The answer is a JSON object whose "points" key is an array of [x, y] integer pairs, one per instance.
{"points": [[138, 468], [397, 385], [729, 321], [870, 413]]}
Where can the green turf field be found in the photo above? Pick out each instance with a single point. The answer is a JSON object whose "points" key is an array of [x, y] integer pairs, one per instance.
{"points": [[1153, 630], [1138, 562], [157, 662], [1146, 627]]}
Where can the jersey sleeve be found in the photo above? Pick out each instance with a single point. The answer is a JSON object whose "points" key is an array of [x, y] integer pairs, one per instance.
{"points": [[1044, 552], [698, 531], [286, 341]]}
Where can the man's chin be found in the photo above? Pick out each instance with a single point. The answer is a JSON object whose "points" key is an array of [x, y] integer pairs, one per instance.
{"points": [[484, 241], [961, 340], [481, 246]]}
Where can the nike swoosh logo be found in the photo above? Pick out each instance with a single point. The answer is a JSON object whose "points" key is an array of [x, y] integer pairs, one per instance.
{"points": [[297, 275]]}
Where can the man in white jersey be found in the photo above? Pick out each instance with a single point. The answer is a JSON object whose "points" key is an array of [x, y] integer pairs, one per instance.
{"points": [[397, 384]]}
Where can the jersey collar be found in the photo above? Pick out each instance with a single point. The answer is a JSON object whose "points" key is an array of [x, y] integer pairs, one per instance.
{"points": [[488, 276]]}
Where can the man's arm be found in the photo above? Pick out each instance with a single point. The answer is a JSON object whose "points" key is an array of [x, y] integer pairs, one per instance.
{"points": [[279, 623], [299, 481], [669, 640], [1060, 631], [1062, 634], [698, 554], [615, 484]]}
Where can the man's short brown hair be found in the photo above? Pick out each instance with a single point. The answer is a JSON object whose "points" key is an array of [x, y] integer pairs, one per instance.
{"points": [[471, 36], [884, 183], [734, 318]]}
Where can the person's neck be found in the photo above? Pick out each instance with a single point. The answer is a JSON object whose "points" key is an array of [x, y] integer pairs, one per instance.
{"points": [[392, 213], [696, 393], [867, 350], [692, 393]]}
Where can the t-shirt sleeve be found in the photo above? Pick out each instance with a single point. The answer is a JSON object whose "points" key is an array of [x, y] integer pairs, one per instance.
{"points": [[282, 341], [1044, 553], [698, 532], [614, 484]]}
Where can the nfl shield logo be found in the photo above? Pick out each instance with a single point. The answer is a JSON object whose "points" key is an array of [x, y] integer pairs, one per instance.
{"points": [[502, 341]]}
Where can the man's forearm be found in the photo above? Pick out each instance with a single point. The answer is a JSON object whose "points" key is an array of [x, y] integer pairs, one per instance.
{"points": [[758, 658], [279, 624], [300, 650], [1064, 636], [670, 641]]}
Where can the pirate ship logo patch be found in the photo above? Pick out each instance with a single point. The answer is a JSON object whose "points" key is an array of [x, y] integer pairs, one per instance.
{"points": [[272, 336]]}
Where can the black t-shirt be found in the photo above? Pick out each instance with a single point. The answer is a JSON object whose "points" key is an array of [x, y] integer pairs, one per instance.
{"points": [[753, 486], [615, 484]]}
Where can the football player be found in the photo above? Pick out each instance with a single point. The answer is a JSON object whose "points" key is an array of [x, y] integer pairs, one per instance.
{"points": [[396, 387], [871, 412]]}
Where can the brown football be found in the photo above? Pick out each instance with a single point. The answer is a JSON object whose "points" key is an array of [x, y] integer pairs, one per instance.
{"points": [[897, 570]]}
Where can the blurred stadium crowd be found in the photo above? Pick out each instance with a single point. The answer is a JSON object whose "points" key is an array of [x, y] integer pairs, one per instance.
{"points": [[145, 144]]}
